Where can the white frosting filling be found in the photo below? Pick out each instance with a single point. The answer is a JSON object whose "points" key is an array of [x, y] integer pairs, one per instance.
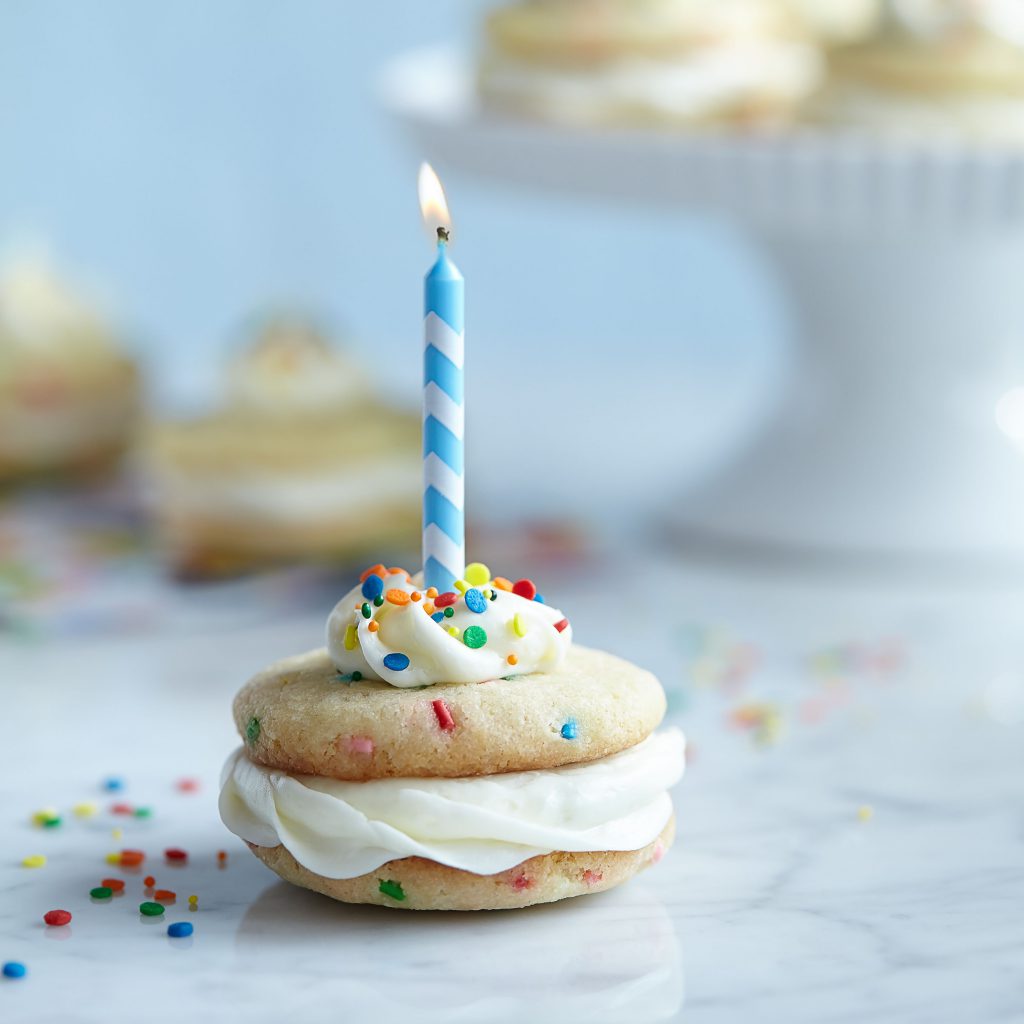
{"points": [[483, 824], [701, 83], [525, 629], [289, 497]]}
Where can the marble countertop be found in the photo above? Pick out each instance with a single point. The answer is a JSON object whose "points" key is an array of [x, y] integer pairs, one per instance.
{"points": [[851, 825]]}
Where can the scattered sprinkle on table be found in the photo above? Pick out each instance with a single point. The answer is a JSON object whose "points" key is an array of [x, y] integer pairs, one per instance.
{"points": [[101, 892], [179, 930], [865, 812], [132, 858], [113, 784], [149, 881], [113, 884], [172, 853], [34, 860], [85, 810], [12, 969], [222, 857], [165, 896], [56, 918], [149, 909], [187, 785]]}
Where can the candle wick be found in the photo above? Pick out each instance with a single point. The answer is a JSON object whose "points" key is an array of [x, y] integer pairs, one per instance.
{"points": [[443, 235]]}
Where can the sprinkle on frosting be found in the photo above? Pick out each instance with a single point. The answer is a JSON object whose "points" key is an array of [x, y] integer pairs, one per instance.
{"points": [[387, 629]]}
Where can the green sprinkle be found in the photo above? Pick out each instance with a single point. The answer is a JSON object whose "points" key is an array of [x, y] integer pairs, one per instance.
{"points": [[142, 812], [51, 822], [252, 730], [474, 636], [378, 601], [101, 892], [350, 677], [449, 612], [150, 909], [392, 889], [356, 676], [366, 610]]}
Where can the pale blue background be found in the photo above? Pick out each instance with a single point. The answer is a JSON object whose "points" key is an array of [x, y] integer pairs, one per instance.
{"points": [[197, 162]]}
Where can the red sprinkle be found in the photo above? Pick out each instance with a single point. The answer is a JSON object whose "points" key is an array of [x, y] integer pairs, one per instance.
{"points": [[222, 857], [122, 809], [149, 881], [57, 917], [592, 877], [187, 785], [561, 624], [444, 716], [173, 853], [525, 588], [113, 884], [445, 599], [521, 882], [165, 895]]}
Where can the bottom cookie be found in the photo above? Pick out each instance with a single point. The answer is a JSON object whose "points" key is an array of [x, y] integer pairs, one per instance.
{"points": [[415, 883]]}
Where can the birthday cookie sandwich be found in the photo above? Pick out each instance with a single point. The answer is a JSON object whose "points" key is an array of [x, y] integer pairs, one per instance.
{"points": [[284, 469], [69, 396], [451, 748], [682, 63]]}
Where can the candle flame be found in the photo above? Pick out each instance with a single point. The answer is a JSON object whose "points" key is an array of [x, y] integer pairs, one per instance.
{"points": [[433, 204]]}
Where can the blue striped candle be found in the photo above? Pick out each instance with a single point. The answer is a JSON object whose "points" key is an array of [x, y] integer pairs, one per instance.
{"points": [[444, 543]]}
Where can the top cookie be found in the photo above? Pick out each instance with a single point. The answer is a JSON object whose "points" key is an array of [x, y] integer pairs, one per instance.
{"points": [[301, 716]]}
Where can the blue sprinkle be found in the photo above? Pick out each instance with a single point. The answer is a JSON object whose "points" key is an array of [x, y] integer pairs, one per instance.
{"points": [[475, 601], [179, 930], [113, 784], [373, 587], [396, 662], [539, 597], [438, 616], [569, 730], [12, 969]]}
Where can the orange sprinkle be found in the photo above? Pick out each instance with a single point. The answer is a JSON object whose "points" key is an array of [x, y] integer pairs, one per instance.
{"points": [[512, 659], [396, 596], [501, 583], [113, 884], [396, 570], [431, 592], [222, 856], [428, 607], [132, 858], [416, 595], [149, 881], [373, 626], [378, 569], [165, 895]]}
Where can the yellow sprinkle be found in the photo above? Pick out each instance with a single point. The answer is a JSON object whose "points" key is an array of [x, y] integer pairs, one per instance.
{"points": [[351, 637], [35, 860], [116, 833], [192, 901], [518, 625], [865, 812], [477, 574], [45, 814], [113, 858], [453, 630], [86, 810], [461, 586]]}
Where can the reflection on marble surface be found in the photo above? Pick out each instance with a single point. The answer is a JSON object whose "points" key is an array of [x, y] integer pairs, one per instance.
{"points": [[850, 844], [606, 958]]}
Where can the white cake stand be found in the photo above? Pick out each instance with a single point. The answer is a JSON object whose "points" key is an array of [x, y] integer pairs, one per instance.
{"points": [[905, 265]]}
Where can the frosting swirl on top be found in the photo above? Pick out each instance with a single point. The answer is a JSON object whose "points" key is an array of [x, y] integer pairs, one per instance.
{"points": [[389, 629]]}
